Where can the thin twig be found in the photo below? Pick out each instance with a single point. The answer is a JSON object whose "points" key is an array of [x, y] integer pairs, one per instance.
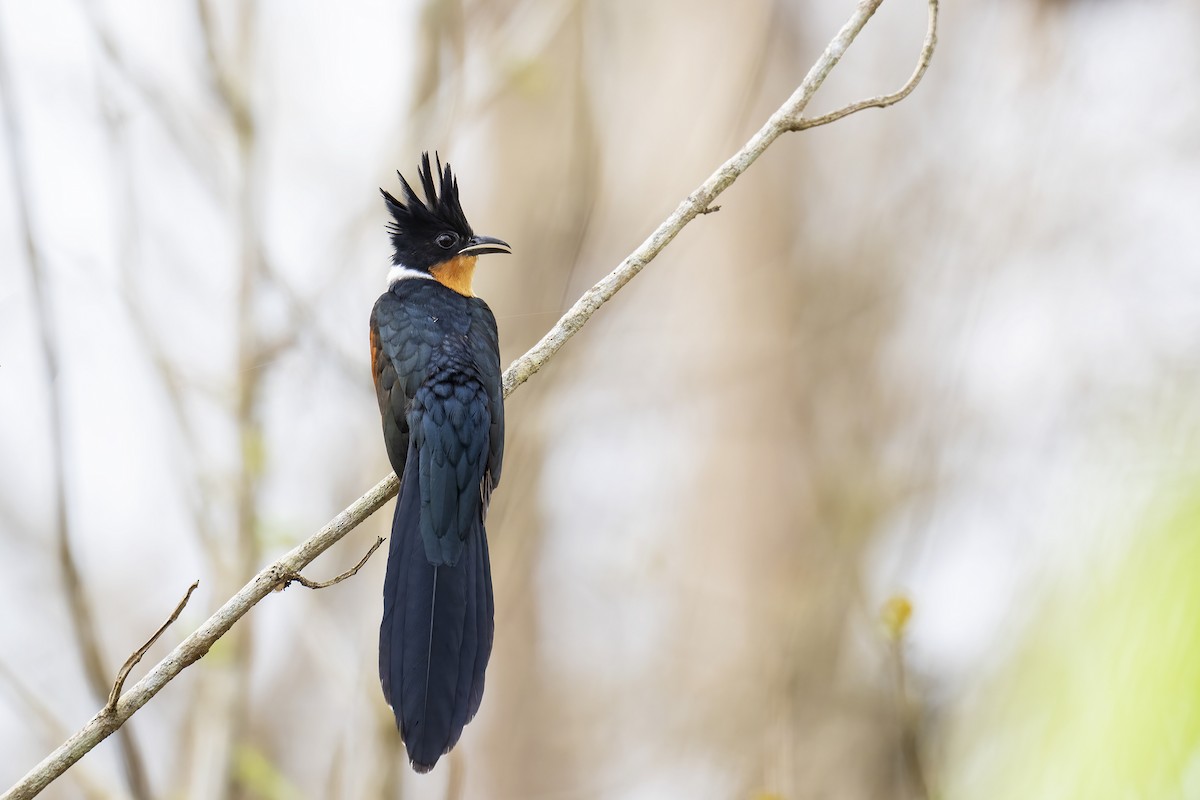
{"points": [[883, 100], [132, 661], [199, 641], [295, 577]]}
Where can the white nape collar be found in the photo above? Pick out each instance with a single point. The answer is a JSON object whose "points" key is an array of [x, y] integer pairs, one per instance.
{"points": [[399, 272]]}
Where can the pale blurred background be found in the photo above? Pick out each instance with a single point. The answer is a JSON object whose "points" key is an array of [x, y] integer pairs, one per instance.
{"points": [[949, 352]]}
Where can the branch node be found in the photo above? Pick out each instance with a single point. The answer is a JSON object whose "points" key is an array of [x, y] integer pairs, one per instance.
{"points": [[288, 578], [709, 210], [799, 123], [119, 684]]}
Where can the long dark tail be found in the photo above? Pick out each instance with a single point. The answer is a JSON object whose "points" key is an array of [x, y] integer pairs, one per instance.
{"points": [[436, 634]]}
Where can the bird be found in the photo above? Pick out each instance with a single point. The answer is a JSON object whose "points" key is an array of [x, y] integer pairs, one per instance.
{"points": [[435, 356]]}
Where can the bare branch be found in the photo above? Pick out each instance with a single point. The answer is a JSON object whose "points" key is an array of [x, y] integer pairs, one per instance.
{"points": [[197, 644], [132, 661], [296, 577], [288, 567], [702, 198], [883, 100]]}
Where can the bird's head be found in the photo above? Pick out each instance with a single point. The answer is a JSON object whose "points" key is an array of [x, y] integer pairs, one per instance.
{"points": [[432, 237]]}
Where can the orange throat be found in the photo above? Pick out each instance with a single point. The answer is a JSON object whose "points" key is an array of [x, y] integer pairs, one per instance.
{"points": [[456, 274]]}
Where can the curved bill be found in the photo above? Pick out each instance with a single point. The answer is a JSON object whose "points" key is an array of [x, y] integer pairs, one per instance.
{"points": [[481, 245]]}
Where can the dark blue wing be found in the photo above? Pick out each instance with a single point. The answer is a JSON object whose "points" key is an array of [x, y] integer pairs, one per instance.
{"points": [[451, 425], [485, 350]]}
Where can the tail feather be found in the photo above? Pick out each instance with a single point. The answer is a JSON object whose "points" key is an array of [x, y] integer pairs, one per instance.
{"points": [[391, 643], [436, 634], [485, 610], [479, 623]]}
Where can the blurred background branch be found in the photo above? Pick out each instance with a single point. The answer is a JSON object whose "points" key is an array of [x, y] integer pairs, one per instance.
{"points": [[81, 616]]}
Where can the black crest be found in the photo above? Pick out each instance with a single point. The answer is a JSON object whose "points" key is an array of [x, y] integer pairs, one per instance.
{"points": [[414, 219]]}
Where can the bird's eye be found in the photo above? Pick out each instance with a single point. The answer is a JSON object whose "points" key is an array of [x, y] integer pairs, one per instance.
{"points": [[446, 240]]}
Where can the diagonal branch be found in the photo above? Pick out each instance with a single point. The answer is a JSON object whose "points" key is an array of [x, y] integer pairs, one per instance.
{"points": [[700, 201], [196, 645]]}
